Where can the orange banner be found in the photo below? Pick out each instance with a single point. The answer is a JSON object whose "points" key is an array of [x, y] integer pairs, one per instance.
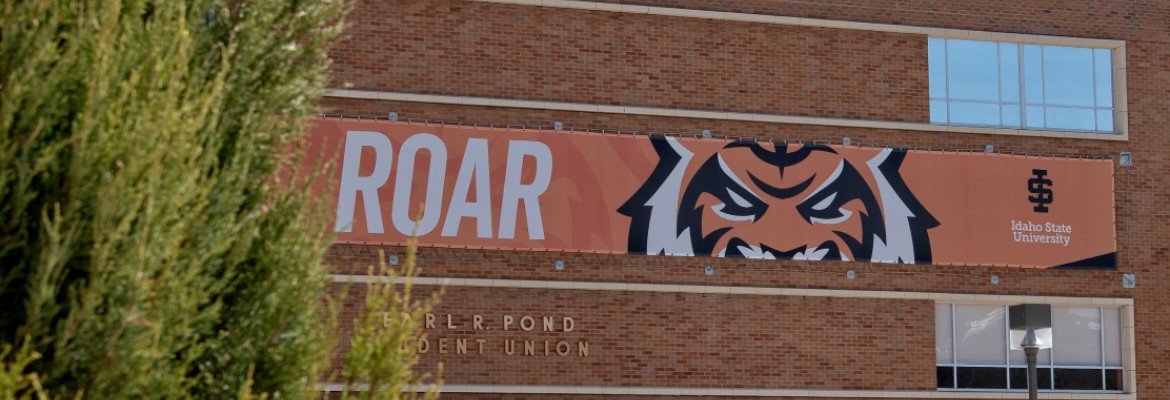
{"points": [[549, 190]]}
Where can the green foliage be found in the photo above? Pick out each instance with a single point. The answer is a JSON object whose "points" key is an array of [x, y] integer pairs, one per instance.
{"points": [[153, 239], [13, 378], [384, 345]]}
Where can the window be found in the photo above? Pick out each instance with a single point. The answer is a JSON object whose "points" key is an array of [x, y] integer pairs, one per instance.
{"points": [[971, 346], [1020, 85]]}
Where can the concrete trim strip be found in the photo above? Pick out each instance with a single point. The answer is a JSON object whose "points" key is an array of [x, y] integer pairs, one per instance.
{"points": [[717, 115], [746, 290], [814, 22], [738, 392]]}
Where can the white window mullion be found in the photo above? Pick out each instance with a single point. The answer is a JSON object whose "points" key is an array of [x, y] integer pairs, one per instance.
{"points": [[1023, 86], [999, 107], [954, 349], [1007, 350], [947, 69], [1101, 314], [1096, 126], [1044, 96]]}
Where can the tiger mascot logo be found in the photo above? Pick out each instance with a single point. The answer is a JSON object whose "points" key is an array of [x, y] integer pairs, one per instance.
{"points": [[777, 201]]}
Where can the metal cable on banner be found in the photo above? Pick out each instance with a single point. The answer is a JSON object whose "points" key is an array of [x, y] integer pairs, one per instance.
{"points": [[758, 139]]}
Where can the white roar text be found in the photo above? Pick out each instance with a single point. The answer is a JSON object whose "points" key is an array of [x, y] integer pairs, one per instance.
{"points": [[474, 170]]}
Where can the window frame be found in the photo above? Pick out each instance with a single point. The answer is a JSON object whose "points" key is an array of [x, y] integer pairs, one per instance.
{"points": [[1126, 352], [1120, 110]]}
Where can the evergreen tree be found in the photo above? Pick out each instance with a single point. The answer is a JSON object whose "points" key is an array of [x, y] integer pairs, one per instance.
{"points": [[155, 241], [386, 331]]}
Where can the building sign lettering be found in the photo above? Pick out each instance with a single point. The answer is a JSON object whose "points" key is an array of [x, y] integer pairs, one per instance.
{"points": [[526, 345]]}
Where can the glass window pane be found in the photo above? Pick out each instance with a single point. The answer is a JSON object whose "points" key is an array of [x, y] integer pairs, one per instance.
{"points": [[1070, 118], [936, 52], [1017, 357], [1113, 346], [1113, 379], [973, 70], [946, 377], [1020, 378], [938, 112], [1105, 121], [1015, 85], [1009, 72], [1033, 75], [1103, 67], [942, 334], [1035, 117], [1068, 76], [1011, 116], [982, 378], [1076, 336], [980, 332], [974, 113], [1077, 379]]}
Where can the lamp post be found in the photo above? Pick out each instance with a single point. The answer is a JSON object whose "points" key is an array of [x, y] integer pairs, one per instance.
{"points": [[1031, 330], [1031, 346]]}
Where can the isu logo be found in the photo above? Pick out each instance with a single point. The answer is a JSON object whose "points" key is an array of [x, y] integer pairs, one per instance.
{"points": [[1041, 195], [753, 200]]}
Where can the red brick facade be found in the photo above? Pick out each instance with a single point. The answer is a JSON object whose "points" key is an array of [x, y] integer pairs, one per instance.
{"points": [[675, 339]]}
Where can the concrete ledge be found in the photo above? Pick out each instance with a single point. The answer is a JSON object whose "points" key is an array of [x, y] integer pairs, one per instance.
{"points": [[742, 392], [717, 115], [746, 290]]}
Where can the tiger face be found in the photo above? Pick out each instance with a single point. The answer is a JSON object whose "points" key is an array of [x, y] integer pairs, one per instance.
{"points": [[806, 204], [768, 201]]}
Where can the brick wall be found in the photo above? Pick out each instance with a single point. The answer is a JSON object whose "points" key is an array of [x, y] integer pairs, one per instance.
{"points": [[665, 339], [533, 53]]}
